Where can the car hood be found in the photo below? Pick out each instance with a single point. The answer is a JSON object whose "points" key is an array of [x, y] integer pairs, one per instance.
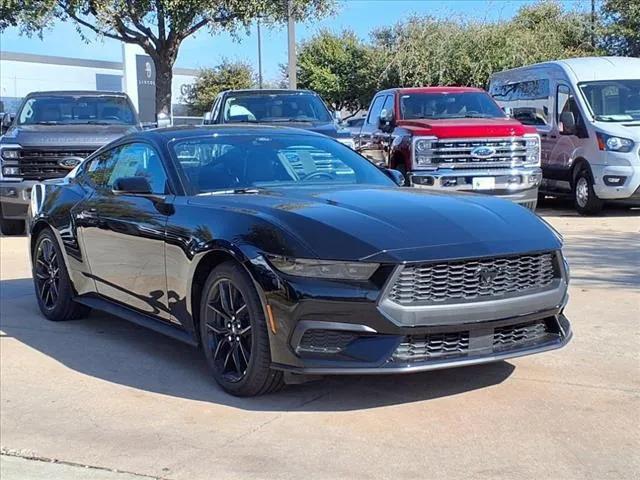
{"points": [[76, 136], [388, 224], [467, 127]]}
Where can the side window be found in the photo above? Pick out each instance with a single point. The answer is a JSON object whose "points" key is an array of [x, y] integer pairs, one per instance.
{"points": [[375, 109], [216, 110], [529, 101], [139, 159], [96, 172], [566, 102]]}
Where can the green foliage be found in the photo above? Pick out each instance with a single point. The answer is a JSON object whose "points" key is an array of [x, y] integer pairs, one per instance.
{"points": [[158, 26], [211, 81], [341, 68], [621, 20], [430, 51]]}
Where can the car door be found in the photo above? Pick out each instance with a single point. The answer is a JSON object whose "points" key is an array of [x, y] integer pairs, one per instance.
{"points": [[369, 139], [558, 164], [127, 252]]}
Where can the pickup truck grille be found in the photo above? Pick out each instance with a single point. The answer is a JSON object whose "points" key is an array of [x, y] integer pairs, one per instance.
{"points": [[457, 153], [474, 280], [37, 164]]}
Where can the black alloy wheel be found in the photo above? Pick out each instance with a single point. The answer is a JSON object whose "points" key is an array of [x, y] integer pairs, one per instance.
{"points": [[47, 274], [233, 333], [54, 291], [229, 330]]}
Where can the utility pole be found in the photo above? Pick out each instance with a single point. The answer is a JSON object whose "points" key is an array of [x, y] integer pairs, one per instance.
{"points": [[593, 23], [291, 34], [259, 57]]}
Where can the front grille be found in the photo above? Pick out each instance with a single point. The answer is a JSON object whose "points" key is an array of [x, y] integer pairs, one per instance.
{"points": [[325, 341], [456, 153], [36, 164], [469, 280], [437, 345], [511, 336]]}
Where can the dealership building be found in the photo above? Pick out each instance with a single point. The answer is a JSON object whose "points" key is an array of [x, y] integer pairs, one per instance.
{"points": [[21, 73]]}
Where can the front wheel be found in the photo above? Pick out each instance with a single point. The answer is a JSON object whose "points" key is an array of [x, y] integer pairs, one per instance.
{"points": [[234, 334], [51, 280], [11, 227], [585, 198]]}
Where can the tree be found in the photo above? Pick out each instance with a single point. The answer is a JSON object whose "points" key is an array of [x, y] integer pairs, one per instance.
{"points": [[621, 20], [158, 26], [433, 51], [211, 81], [341, 68]]}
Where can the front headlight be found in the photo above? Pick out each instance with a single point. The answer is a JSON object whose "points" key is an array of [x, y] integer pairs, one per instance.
{"points": [[423, 151], [348, 141], [333, 269], [532, 145], [10, 153], [614, 144]]}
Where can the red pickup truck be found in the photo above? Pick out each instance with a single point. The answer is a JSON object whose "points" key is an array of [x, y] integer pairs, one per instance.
{"points": [[453, 138]]}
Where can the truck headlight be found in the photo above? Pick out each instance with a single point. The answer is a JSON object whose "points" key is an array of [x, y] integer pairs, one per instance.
{"points": [[422, 151], [10, 153], [11, 171], [614, 144], [330, 269], [532, 146]]}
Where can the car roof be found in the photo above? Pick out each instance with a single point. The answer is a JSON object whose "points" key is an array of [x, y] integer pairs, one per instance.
{"points": [[76, 93], [271, 91], [186, 131], [441, 89]]}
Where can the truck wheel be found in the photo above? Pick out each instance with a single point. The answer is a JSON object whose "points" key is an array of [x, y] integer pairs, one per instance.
{"points": [[11, 227], [585, 198]]}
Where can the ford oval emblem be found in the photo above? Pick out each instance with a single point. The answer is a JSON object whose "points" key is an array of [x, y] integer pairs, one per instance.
{"points": [[70, 162], [483, 152]]}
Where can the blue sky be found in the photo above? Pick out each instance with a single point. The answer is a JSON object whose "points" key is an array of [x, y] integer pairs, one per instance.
{"points": [[204, 50]]}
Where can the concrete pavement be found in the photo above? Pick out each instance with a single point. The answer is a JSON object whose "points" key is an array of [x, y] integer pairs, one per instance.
{"points": [[104, 393]]}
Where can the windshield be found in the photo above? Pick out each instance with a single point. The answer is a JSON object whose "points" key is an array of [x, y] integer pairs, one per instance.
{"points": [[613, 100], [449, 105], [56, 110], [274, 108], [224, 163]]}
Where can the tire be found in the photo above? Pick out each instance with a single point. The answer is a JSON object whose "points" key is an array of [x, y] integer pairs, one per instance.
{"points": [[233, 332], [51, 281], [11, 227], [584, 197]]}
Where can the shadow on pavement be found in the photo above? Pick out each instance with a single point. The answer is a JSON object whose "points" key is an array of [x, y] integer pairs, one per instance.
{"points": [[114, 350]]}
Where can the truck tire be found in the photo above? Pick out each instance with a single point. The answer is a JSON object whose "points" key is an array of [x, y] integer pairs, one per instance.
{"points": [[585, 199], [11, 227]]}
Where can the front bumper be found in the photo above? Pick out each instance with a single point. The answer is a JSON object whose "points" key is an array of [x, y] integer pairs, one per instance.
{"points": [[15, 197], [519, 185], [628, 191]]}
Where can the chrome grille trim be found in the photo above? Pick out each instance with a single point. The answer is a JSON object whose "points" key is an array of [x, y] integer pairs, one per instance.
{"points": [[461, 281], [456, 152]]}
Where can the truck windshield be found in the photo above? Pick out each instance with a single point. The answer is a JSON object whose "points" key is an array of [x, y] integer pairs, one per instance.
{"points": [[56, 110], [275, 108], [449, 105], [613, 100]]}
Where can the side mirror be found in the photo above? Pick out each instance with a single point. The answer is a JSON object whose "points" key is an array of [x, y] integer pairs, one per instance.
{"points": [[385, 120], [567, 123], [206, 120], [7, 120], [163, 120], [508, 111], [396, 176], [132, 186]]}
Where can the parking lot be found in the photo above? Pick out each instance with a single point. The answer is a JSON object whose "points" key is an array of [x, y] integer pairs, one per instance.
{"points": [[108, 394]]}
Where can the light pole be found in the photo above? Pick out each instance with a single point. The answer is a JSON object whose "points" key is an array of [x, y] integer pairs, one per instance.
{"points": [[291, 34], [259, 57]]}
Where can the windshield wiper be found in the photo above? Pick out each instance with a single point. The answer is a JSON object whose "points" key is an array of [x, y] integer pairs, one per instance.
{"points": [[46, 122], [231, 191], [98, 122], [288, 120]]}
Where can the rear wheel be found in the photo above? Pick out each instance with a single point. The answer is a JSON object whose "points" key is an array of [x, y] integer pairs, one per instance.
{"points": [[585, 198], [234, 334], [11, 227], [51, 280]]}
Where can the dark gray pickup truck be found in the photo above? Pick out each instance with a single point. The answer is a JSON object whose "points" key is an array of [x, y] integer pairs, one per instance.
{"points": [[50, 135]]}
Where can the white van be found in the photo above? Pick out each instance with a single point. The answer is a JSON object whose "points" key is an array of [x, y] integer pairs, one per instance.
{"points": [[587, 111]]}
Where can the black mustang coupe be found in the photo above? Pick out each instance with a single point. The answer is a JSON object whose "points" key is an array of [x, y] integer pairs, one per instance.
{"points": [[285, 254]]}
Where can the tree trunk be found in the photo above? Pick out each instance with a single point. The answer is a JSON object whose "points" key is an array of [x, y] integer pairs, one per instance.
{"points": [[164, 77]]}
